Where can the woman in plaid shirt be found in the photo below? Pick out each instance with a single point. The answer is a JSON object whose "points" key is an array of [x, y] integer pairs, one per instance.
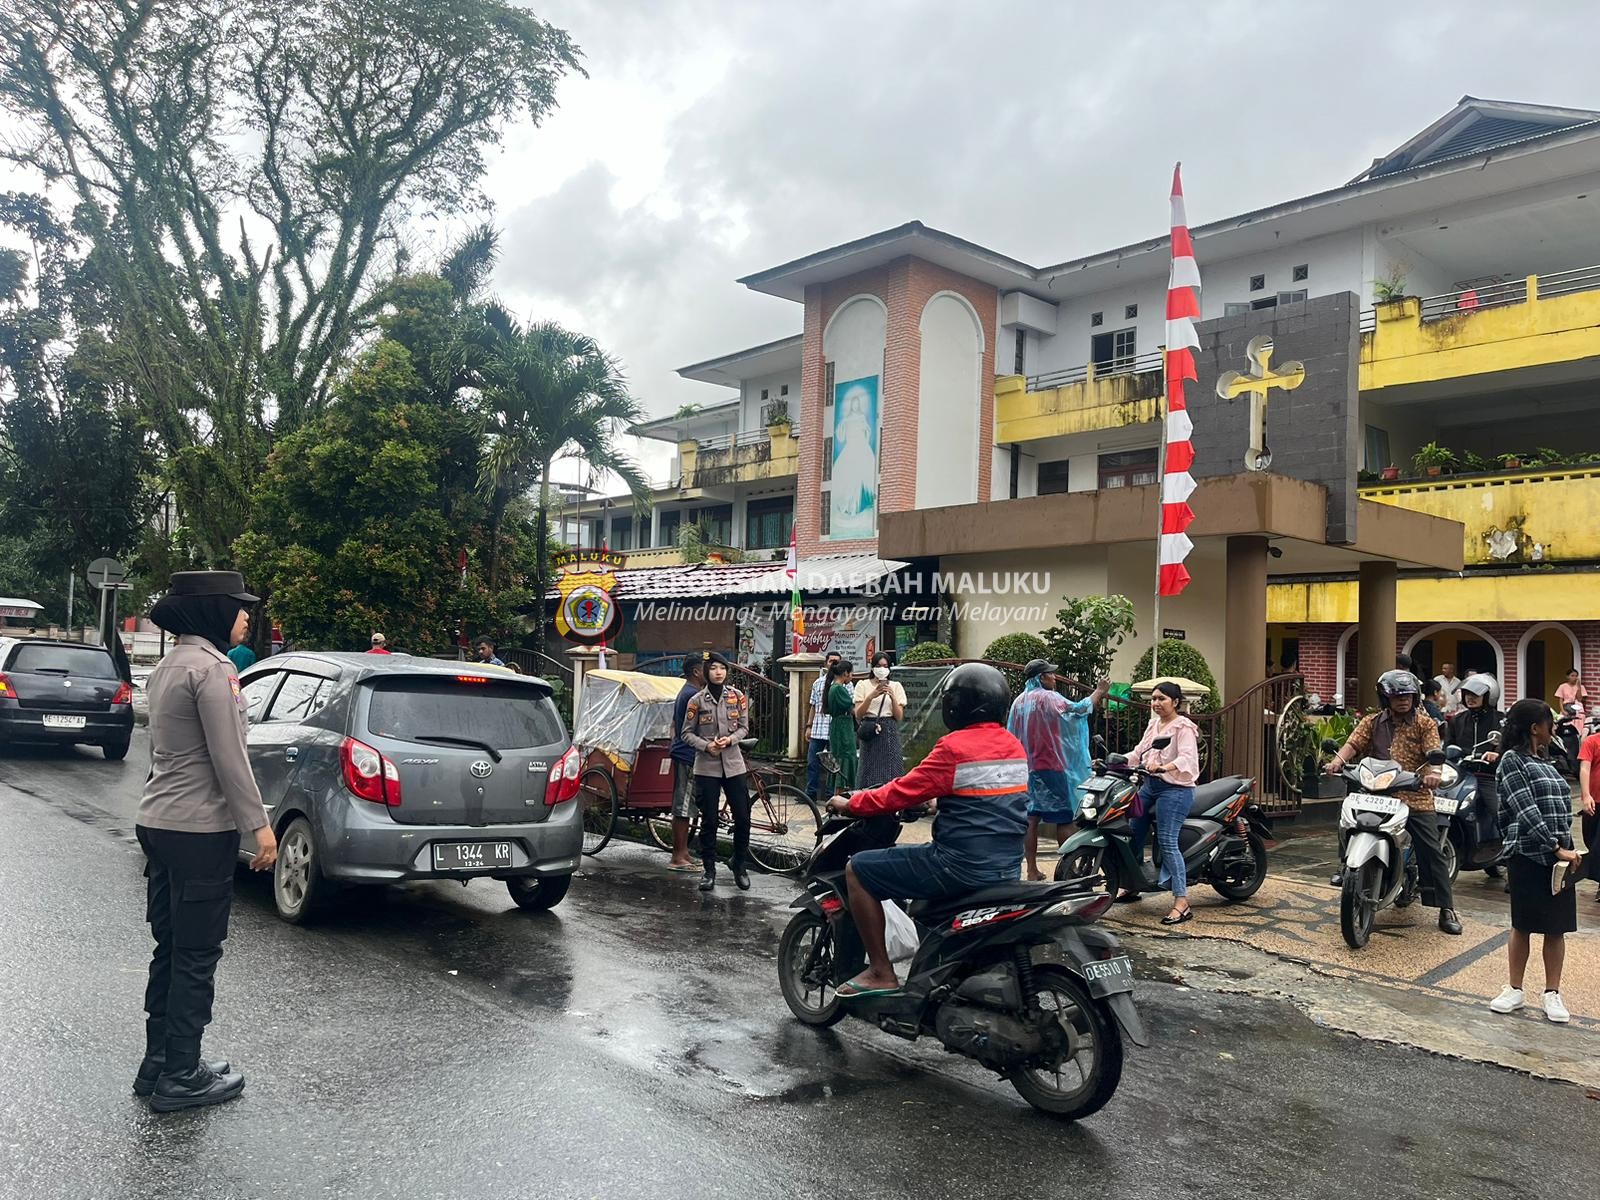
{"points": [[1536, 813]]}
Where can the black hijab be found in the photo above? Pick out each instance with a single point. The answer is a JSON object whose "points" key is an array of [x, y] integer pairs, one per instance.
{"points": [[210, 617]]}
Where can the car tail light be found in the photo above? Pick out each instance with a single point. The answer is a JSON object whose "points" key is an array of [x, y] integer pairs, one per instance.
{"points": [[369, 774], [563, 782], [5, 686], [124, 694], [472, 679]]}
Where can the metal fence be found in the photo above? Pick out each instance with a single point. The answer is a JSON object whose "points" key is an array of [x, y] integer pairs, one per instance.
{"points": [[1131, 365]]}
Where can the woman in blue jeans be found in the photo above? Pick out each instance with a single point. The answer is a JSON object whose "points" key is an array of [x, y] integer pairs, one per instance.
{"points": [[1168, 792]]}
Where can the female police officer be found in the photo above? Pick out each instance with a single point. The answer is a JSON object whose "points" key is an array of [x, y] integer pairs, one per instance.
{"points": [[199, 799]]}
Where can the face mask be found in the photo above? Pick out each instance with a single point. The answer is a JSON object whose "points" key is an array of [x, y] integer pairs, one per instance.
{"points": [[880, 672]]}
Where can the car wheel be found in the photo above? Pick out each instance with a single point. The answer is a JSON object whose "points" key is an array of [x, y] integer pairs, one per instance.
{"points": [[116, 751], [298, 885], [533, 894]]}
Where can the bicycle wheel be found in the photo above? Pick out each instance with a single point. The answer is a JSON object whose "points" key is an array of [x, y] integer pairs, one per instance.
{"points": [[784, 826], [597, 792], [658, 829]]}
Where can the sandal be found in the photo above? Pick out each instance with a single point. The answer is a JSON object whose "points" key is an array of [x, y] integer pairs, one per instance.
{"points": [[852, 990], [1180, 917]]}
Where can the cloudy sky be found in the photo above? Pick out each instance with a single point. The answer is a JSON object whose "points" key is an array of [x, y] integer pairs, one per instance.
{"points": [[714, 139]]}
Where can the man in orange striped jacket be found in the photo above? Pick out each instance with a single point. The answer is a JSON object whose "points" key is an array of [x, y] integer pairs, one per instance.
{"points": [[978, 773]]}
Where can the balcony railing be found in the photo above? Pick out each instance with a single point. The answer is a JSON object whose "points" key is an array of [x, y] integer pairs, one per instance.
{"points": [[1134, 365], [726, 441], [1497, 295]]}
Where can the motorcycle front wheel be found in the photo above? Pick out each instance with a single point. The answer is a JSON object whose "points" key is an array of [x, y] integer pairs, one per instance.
{"points": [[1082, 1079], [805, 970], [1358, 903], [1089, 862]]}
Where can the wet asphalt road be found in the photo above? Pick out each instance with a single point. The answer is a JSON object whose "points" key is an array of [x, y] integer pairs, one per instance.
{"points": [[433, 1041]]}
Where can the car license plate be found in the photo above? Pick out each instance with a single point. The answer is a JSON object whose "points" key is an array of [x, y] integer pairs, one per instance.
{"points": [[1445, 804], [1108, 976], [471, 856], [53, 721]]}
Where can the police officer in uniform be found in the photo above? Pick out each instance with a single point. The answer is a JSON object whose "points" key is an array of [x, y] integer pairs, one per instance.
{"points": [[200, 797]]}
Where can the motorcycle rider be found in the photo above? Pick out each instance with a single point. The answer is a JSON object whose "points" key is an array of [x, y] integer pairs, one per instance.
{"points": [[978, 772], [1397, 732], [1477, 719]]}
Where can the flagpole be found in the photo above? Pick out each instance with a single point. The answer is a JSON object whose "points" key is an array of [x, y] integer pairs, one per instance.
{"points": [[1161, 479]]}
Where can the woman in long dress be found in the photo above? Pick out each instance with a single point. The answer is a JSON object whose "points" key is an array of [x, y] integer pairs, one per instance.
{"points": [[842, 730], [880, 704]]}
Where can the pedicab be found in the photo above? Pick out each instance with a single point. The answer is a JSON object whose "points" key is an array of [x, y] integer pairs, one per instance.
{"points": [[624, 735]]}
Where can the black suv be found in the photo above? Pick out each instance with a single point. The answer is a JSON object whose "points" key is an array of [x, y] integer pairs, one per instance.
{"points": [[52, 691]]}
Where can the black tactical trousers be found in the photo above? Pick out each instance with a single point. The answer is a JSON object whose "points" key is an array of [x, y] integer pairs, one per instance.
{"points": [[707, 789], [188, 899]]}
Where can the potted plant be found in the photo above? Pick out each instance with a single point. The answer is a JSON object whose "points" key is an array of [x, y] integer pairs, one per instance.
{"points": [[1432, 460], [778, 415], [1390, 287], [1474, 462], [1390, 473], [1511, 462], [1546, 457]]}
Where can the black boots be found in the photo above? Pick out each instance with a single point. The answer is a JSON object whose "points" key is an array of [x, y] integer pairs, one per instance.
{"points": [[150, 1070], [195, 1088], [741, 877], [708, 880], [1449, 922]]}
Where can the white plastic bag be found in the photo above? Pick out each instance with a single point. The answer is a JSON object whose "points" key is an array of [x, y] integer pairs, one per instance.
{"points": [[899, 932]]}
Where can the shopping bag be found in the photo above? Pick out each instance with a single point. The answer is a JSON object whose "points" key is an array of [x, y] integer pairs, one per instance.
{"points": [[899, 932]]}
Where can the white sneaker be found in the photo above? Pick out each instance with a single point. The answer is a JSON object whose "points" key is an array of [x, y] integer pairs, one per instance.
{"points": [[1509, 1000], [1554, 1009]]}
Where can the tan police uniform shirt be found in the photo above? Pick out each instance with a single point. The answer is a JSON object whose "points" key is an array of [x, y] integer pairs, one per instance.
{"points": [[200, 777], [704, 720]]}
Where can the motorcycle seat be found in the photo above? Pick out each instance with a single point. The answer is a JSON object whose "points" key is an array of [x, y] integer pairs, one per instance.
{"points": [[933, 912], [1209, 795]]}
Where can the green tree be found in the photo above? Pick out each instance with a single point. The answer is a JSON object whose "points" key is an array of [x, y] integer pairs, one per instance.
{"points": [[926, 652], [548, 395], [1086, 635], [1020, 648], [350, 529], [244, 168], [1182, 660]]}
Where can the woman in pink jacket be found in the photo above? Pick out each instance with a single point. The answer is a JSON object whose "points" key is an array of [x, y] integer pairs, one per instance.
{"points": [[1168, 792]]}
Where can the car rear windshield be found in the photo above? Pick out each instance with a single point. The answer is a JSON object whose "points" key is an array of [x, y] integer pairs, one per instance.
{"points": [[507, 716], [87, 662]]}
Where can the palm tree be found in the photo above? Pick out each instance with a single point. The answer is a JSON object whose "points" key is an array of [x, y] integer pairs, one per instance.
{"points": [[548, 395]]}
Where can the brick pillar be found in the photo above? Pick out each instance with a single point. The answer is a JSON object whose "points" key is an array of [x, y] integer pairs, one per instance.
{"points": [[1375, 608]]}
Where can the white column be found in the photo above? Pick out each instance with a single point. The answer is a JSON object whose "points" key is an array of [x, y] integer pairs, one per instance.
{"points": [[584, 659], [802, 669], [655, 525]]}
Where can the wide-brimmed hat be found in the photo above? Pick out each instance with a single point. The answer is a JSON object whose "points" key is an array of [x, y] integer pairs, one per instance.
{"points": [[210, 583]]}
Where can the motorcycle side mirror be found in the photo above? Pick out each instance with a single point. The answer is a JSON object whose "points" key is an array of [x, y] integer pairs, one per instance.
{"points": [[1452, 753], [1100, 745], [1329, 746], [1435, 758], [1161, 743]]}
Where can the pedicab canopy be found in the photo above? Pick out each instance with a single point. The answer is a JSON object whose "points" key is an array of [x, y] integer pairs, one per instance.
{"points": [[621, 710]]}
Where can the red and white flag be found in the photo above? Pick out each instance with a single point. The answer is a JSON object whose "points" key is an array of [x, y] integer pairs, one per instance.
{"points": [[1177, 485]]}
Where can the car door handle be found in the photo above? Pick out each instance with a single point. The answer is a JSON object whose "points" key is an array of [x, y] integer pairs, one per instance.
{"points": [[291, 753]]}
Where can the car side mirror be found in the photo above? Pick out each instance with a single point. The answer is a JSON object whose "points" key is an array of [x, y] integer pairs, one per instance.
{"points": [[1329, 746], [1161, 743], [1435, 758], [1452, 753]]}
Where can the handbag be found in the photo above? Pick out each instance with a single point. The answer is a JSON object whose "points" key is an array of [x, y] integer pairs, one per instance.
{"points": [[868, 730]]}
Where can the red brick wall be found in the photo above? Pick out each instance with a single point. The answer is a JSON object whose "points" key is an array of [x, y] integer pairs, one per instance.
{"points": [[1319, 646], [905, 286]]}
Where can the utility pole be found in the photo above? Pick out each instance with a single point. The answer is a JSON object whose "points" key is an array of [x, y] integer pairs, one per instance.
{"points": [[72, 580]]}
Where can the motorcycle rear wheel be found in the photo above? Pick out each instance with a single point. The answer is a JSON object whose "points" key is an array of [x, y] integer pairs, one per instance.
{"points": [[1094, 1069], [1245, 886], [808, 941], [1358, 905]]}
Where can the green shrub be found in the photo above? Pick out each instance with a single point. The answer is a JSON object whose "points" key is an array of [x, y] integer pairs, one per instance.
{"points": [[1182, 659], [1086, 635], [926, 652], [1016, 648]]}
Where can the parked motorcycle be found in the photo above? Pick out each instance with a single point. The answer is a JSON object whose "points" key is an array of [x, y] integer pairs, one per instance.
{"points": [[1380, 868], [1465, 800], [1223, 840], [1015, 976], [1568, 738]]}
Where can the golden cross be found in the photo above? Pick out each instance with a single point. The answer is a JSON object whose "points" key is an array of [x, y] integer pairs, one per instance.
{"points": [[1257, 382]]}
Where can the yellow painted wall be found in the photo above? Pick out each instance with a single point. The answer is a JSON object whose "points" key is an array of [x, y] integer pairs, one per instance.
{"points": [[1108, 402], [1557, 510], [1404, 349], [1530, 596], [776, 458]]}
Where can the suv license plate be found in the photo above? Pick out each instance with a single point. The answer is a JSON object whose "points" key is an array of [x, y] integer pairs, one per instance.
{"points": [[1108, 976], [53, 721], [471, 856]]}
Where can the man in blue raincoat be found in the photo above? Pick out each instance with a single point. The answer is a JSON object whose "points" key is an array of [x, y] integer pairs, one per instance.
{"points": [[1055, 733]]}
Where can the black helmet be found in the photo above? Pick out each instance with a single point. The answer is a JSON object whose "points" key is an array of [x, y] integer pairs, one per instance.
{"points": [[1396, 683], [975, 692], [1039, 666]]}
